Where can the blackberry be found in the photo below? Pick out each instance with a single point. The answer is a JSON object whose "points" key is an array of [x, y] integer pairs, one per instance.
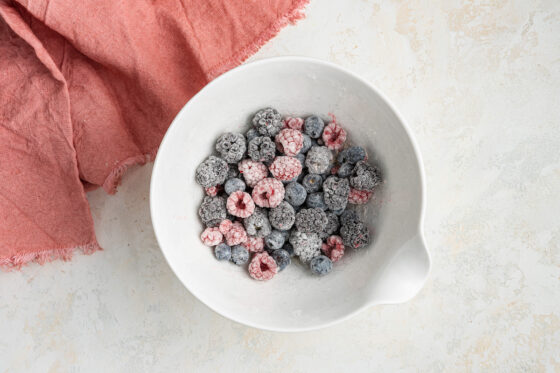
{"points": [[312, 220], [283, 216], [212, 211], [306, 245], [239, 255], [354, 234], [345, 170], [307, 143], [257, 224], [365, 177], [262, 149], [318, 159], [320, 265], [312, 182], [295, 194], [316, 200], [349, 216], [282, 259], [275, 240], [313, 126], [222, 252], [331, 227], [352, 155], [231, 147], [267, 122], [233, 185], [213, 171], [336, 192]]}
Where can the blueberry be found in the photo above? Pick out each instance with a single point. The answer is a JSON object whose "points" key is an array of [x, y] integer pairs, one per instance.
{"points": [[312, 183], [307, 143], [275, 240], [345, 169], [289, 248], [316, 200], [222, 252], [282, 259], [233, 185], [239, 255], [313, 126], [301, 158], [251, 134], [295, 194], [320, 265], [352, 155], [257, 224]]}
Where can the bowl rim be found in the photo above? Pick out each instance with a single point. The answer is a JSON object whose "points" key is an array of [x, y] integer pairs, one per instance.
{"points": [[419, 163]]}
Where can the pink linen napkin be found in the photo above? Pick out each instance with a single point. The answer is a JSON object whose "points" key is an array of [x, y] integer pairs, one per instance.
{"points": [[88, 89]]}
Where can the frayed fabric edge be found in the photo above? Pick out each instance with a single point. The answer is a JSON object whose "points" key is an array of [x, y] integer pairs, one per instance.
{"points": [[45, 256], [113, 180]]}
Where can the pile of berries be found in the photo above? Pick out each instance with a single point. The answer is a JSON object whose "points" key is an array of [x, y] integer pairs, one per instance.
{"points": [[282, 190]]}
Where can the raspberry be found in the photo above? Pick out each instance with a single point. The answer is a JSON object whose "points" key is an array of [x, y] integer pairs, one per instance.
{"points": [[212, 211], [222, 252], [239, 255], [283, 216], [294, 123], [257, 224], [262, 267], [331, 227], [320, 265], [336, 191], [225, 226], [268, 192], [354, 234], [254, 244], [282, 259], [240, 204], [212, 191], [211, 172], [285, 168], [365, 177], [359, 197], [312, 220], [267, 122], [211, 237], [352, 155], [289, 141], [231, 147], [233, 185], [333, 248], [334, 136], [318, 159], [313, 126], [306, 245], [252, 171], [261, 149], [312, 182], [236, 235]]}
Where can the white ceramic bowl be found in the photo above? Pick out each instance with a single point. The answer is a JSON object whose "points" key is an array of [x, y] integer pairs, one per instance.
{"points": [[391, 270]]}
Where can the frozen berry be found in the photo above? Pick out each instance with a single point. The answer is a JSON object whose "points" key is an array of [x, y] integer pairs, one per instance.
{"points": [[233, 185], [231, 147], [211, 172], [295, 194], [233, 171], [212, 211], [333, 248], [354, 234], [289, 141], [320, 265], [283, 216], [267, 122], [349, 216], [225, 226], [212, 191], [336, 192], [318, 159], [312, 182], [359, 197], [262, 149], [313, 126], [334, 136], [239, 255], [365, 177], [345, 170], [222, 252], [275, 240], [285, 168], [236, 235], [288, 248], [252, 171], [352, 155], [306, 245], [282, 259], [307, 143], [301, 158], [262, 267], [294, 123], [312, 220], [240, 204], [257, 224], [316, 200], [331, 227], [251, 134], [211, 236], [268, 192], [254, 244]]}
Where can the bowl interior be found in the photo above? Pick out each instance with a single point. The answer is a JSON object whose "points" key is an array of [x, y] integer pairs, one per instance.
{"points": [[294, 299]]}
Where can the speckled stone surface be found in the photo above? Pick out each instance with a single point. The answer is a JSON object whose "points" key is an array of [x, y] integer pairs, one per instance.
{"points": [[479, 83]]}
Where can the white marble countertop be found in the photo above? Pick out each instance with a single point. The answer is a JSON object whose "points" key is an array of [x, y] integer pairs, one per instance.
{"points": [[479, 83]]}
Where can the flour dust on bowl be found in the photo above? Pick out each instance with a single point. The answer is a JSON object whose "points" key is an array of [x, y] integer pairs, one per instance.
{"points": [[392, 269]]}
